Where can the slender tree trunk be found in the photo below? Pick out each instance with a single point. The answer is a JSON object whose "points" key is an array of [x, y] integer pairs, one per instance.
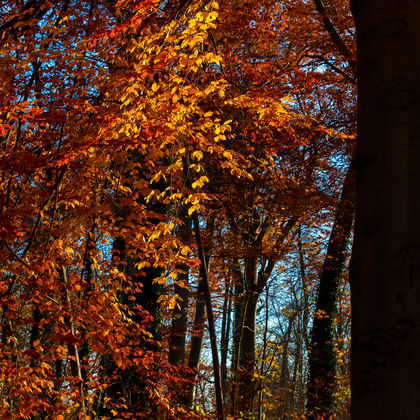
{"points": [[255, 281], [263, 356], [322, 358], [303, 342], [285, 385], [180, 313], [305, 291], [210, 319], [197, 340], [227, 309], [385, 267], [197, 332], [73, 349], [239, 303]]}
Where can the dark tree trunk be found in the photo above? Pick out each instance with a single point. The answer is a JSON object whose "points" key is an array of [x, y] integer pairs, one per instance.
{"points": [[140, 291], [238, 281], [210, 318], [246, 366], [246, 383], [255, 281], [180, 313], [385, 267], [224, 346], [263, 358], [197, 332], [322, 358], [197, 340]]}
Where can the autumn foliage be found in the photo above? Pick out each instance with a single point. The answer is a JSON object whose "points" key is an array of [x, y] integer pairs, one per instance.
{"points": [[121, 122]]}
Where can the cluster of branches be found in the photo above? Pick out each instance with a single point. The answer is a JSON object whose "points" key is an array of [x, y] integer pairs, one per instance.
{"points": [[167, 166]]}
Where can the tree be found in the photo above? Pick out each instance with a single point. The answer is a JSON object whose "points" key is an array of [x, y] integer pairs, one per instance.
{"points": [[384, 274], [322, 358], [121, 122]]}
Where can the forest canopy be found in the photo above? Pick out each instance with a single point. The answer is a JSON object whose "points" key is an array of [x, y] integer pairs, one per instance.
{"points": [[177, 202]]}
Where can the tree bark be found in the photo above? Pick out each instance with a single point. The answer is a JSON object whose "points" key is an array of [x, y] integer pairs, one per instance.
{"points": [[263, 357], [322, 358], [210, 319], [246, 383], [224, 346], [385, 274], [180, 313], [238, 310], [197, 332], [255, 281]]}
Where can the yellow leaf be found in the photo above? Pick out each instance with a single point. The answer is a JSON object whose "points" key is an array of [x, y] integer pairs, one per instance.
{"points": [[45, 365], [227, 155], [193, 208], [155, 87], [211, 17], [197, 155], [200, 182], [185, 250]]}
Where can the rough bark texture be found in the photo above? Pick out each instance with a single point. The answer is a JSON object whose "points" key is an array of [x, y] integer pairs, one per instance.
{"points": [[322, 358], [385, 283]]}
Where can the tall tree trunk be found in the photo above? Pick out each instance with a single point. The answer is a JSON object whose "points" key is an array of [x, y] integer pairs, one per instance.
{"points": [[73, 349], [197, 332], [246, 383], [284, 383], [180, 313], [210, 318], [263, 356], [197, 340], [227, 309], [141, 290], [385, 273], [239, 301], [255, 281], [322, 358], [303, 342]]}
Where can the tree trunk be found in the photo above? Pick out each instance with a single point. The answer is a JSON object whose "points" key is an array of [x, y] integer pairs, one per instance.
{"points": [[224, 347], [246, 366], [197, 332], [197, 339], [180, 313], [322, 358], [210, 318], [239, 301], [385, 274], [263, 357], [246, 383]]}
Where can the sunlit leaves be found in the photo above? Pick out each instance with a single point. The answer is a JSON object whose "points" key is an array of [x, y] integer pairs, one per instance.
{"points": [[111, 111]]}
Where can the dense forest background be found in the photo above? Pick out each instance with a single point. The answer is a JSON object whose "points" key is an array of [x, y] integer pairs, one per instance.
{"points": [[177, 202]]}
